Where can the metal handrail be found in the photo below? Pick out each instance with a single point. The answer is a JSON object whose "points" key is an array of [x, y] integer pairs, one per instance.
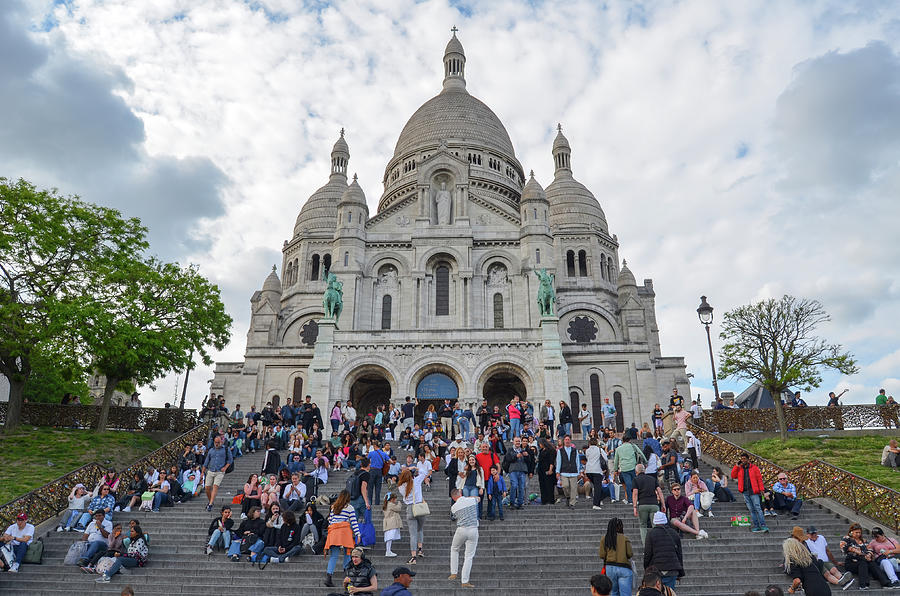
{"points": [[48, 500], [815, 479]]}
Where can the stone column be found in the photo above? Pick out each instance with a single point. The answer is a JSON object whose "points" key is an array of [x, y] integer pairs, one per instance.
{"points": [[556, 372], [319, 376]]}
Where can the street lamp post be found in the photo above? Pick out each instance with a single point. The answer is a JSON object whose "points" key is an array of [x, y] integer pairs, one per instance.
{"points": [[705, 312]]}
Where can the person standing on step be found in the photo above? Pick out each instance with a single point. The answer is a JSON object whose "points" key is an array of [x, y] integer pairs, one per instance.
{"points": [[359, 488], [218, 460], [391, 522], [445, 413], [519, 464], [616, 552], [378, 459], [594, 469], [465, 510], [585, 421], [627, 457], [565, 420], [647, 497], [546, 471], [495, 490], [567, 466], [750, 484], [343, 534], [662, 550], [410, 488], [608, 411]]}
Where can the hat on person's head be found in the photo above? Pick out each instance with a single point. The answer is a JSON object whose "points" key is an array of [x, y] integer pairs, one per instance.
{"points": [[22, 516], [811, 530], [798, 533], [79, 485], [876, 531], [403, 571], [357, 552], [660, 519]]}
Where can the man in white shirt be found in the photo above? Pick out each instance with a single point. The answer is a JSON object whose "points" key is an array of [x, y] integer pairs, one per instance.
{"points": [[161, 488], [585, 419], [819, 547], [16, 540], [293, 495], [696, 413], [465, 511], [608, 411], [97, 535]]}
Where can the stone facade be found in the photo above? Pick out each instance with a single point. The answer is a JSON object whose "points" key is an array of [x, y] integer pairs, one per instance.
{"points": [[442, 280]]}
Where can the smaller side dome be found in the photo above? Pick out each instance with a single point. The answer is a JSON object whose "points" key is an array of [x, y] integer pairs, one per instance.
{"points": [[533, 190], [272, 283], [354, 196], [626, 278]]}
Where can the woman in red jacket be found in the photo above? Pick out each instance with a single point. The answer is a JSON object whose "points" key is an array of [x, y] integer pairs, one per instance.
{"points": [[750, 484]]}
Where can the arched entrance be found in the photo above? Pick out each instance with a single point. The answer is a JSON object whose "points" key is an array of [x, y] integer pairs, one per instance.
{"points": [[501, 387], [433, 389], [368, 392]]}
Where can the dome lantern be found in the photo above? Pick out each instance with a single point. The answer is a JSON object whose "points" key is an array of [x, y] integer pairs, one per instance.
{"points": [[340, 157], [562, 153], [454, 64]]}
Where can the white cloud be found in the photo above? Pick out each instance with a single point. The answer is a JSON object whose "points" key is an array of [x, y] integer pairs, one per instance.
{"points": [[739, 150]]}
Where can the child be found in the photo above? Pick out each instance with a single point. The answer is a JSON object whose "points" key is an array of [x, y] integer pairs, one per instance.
{"points": [[391, 523], [496, 490]]}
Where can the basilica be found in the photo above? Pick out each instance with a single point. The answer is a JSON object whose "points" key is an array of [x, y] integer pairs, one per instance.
{"points": [[440, 285]]}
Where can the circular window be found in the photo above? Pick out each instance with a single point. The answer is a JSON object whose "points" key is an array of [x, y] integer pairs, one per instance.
{"points": [[309, 332], [582, 330]]}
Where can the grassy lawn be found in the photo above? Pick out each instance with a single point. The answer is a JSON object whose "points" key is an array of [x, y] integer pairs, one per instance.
{"points": [[860, 455], [31, 457]]}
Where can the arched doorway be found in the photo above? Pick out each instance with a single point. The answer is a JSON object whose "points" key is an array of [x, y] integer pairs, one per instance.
{"points": [[433, 389], [368, 392], [501, 387]]}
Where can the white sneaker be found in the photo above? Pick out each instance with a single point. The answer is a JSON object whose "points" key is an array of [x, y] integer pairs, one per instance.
{"points": [[709, 514], [14, 568], [59, 529], [243, 516], [596, 507], [209, 550], [117, 508], [273, 560], [127, 509], [702, 535], [390, 554], [285, 560], [68, 528]]}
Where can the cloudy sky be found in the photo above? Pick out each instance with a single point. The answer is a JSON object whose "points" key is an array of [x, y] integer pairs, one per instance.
{"points": [[740, 150]]}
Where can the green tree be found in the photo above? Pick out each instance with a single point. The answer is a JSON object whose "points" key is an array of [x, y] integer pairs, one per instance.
{"points": [[52, 376], [54, 252], [774, 342], [151, 318]]}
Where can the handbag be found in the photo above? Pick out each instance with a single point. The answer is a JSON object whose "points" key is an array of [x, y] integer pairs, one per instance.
{"points": [[706, 500], [238, 499], [105, 564], [367, 530], [421, 509], [247, 542], [35, 552]]}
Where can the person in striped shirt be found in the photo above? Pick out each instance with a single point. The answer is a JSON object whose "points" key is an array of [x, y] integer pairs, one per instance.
{"points": [[465, 510], [343, 533]]}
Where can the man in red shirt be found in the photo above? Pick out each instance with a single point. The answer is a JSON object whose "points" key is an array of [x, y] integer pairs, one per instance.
{"points": [[750, 484], [486, 459]]}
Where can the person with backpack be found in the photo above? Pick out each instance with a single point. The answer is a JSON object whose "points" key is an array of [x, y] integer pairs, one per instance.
{"points": [[378, 458], [358, 487]]}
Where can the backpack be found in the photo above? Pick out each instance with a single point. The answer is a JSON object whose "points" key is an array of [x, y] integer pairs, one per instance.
{"points": [[35, 552], [353, 485]]}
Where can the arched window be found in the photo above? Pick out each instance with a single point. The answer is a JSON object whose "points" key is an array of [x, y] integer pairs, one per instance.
{"points": [[498, 311], [346, 259], [595, 397], [537, 256], [582, 263], [570, 263], [326, 265], [603, 266], [314, 269], [610, 270], [386, 312], [442, 290], [349, 217]]}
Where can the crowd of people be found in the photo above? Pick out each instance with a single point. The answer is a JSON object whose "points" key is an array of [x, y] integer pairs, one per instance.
{"points": [[486, 455]]}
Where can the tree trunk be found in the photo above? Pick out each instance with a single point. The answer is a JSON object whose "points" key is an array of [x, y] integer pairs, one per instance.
{"points": [[14, 413], [779, 412], [111, 383]]}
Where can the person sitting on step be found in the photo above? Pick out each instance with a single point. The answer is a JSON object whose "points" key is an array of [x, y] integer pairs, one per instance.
{"points": [[220, 530], [137, 555], [132, 493], [694, 489], [79, 499], [96, 534], [682, 514], [284, 542], [104, 502], [248, 535], [785, 496]]}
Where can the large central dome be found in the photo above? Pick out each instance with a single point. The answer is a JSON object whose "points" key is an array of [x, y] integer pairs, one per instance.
{"points": [[454, 115]]}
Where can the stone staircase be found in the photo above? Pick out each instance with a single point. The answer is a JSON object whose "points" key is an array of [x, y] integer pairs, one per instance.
{"points": [[539, 550]]}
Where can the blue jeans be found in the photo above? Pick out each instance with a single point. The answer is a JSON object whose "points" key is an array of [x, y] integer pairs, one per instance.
{"points": [[669, 580], [359, 505], [159, 498], [235, 548], [86, 517], [119, 563], [333, 553], [272, 551], [622, 578], [94, 547], [783, 503], [515, 426], [464, 429], [495, 502], [585, 430], [217, 535], [517, 488], [335, 425], [628, 478], [756, 514], [375, 486], [565, 429], [71, 519]]}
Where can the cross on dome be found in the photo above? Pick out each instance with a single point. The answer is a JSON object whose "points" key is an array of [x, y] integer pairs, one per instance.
{"points": [[454, 30], [342, 132]]}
